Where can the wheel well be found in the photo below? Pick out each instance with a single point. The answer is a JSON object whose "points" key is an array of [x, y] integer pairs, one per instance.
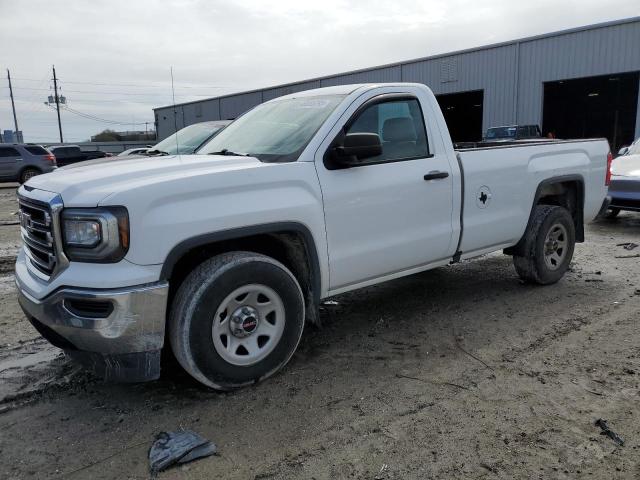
{"points": [[568, 194], [563, 192], [290, 248]]}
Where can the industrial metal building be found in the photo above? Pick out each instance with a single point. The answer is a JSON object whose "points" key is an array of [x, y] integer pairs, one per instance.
{"points": [[575, 83]]}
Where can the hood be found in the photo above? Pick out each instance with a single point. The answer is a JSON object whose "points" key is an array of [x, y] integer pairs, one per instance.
{"points": [[96, 161], [626, 166], [87, 183]]}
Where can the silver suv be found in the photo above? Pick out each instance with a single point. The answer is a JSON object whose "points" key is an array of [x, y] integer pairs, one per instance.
{"points": [[19, 162]]}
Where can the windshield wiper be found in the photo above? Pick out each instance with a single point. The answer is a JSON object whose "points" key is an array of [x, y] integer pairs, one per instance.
{"points": [[157, 152], [229, 153]]}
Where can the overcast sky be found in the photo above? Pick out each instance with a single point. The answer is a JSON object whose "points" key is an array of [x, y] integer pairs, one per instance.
{"points": [[113, 57]]}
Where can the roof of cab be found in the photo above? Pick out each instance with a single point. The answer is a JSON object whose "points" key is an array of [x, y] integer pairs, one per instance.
{"points": [[345, 89]]}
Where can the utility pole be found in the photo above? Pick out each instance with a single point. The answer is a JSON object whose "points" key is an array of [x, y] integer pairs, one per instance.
{"points": [[55, 89], [13, 105]]}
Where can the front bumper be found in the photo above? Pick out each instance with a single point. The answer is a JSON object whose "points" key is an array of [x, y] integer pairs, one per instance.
{"points": [[116, 332]]}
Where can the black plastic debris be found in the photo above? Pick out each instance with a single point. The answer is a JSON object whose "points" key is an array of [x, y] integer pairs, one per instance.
{"points": [[627, 246], [608, 432], [184, 446]]}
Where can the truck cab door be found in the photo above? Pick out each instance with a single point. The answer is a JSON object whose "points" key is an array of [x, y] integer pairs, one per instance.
{"points": [[391, 213]]}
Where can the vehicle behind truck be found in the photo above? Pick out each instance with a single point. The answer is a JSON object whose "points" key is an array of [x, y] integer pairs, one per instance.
{"points": [[223, 256], [187, 140], [512, 133], [71, 154], [21, 162]]}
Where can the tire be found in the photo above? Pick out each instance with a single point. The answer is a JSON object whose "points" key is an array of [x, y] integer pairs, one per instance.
{"points": [[541, 263], [612, 213], [267, 322], [27, 174]]}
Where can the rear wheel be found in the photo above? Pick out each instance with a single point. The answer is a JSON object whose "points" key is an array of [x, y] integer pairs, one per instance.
{"points": [[548, 246], [27, 174], [236, 319]]}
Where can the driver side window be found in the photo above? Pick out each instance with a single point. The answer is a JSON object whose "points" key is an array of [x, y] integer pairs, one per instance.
{"points": [[400, 126]]}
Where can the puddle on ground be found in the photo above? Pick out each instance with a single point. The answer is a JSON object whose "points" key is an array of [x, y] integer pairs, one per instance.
{"points": [[30, 368], [27, 359]]}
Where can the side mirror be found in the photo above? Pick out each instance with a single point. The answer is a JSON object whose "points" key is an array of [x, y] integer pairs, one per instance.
{"points": [[356, 147], [623, 151]]}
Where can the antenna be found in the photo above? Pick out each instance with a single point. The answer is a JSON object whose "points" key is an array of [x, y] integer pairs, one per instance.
{"points": [[175, 120]]}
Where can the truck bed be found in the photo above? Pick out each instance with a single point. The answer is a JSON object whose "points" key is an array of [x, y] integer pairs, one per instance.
{"points": [[500, 183]]}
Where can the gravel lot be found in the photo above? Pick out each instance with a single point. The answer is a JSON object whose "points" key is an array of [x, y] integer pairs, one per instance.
{"points": [[461, 372]]}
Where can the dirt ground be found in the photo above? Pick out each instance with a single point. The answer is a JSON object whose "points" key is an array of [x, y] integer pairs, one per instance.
{"points": [[9, 231], [461, 372]]}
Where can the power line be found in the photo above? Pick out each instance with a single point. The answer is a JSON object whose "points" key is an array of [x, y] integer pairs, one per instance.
{"points": [[139, 101], [27, 88], [32, 105], [103, 120], [136, 85], [132, 96], [103, 92], [149, 85]]}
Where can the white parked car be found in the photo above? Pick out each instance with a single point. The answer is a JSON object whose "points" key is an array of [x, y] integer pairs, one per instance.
{"points": [[625, 181], [633, 149], [188, 139], [185, 141], [227, 252]]}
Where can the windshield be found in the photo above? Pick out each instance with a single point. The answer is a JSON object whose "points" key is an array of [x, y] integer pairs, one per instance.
{"points": [[501, 132], [634, 149], [188, 139], [276, 131]]}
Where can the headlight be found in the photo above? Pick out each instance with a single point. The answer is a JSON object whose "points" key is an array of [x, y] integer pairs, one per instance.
{"points": [[98, 235], [82, 233]]}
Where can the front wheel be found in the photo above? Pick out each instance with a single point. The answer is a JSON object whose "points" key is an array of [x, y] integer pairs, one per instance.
{"points": [[548, 246], [236, 319]]}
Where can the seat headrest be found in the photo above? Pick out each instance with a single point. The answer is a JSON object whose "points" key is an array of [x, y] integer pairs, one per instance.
{"points": [[400, 129]]}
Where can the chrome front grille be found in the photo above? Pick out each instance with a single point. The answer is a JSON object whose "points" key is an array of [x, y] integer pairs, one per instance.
{"points": [[37, 228]]}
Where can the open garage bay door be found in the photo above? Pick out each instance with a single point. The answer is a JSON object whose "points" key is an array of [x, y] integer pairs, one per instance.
{"points": [[463, 114], [603, 106]]}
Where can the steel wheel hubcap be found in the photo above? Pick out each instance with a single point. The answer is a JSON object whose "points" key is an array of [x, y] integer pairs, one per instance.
{"points": [[555, 246], [248, 324]]}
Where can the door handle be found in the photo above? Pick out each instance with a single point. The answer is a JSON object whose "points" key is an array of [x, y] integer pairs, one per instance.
{"points": [[436, 175]]}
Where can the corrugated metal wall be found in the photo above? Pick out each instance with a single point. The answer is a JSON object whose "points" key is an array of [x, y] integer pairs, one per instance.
{"points": [[491, 70], [511, 75], [598, 51], [375, 75], [272, 93]]}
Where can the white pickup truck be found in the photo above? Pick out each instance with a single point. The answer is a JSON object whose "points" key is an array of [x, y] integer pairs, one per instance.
{"points": [[225, 253]]}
